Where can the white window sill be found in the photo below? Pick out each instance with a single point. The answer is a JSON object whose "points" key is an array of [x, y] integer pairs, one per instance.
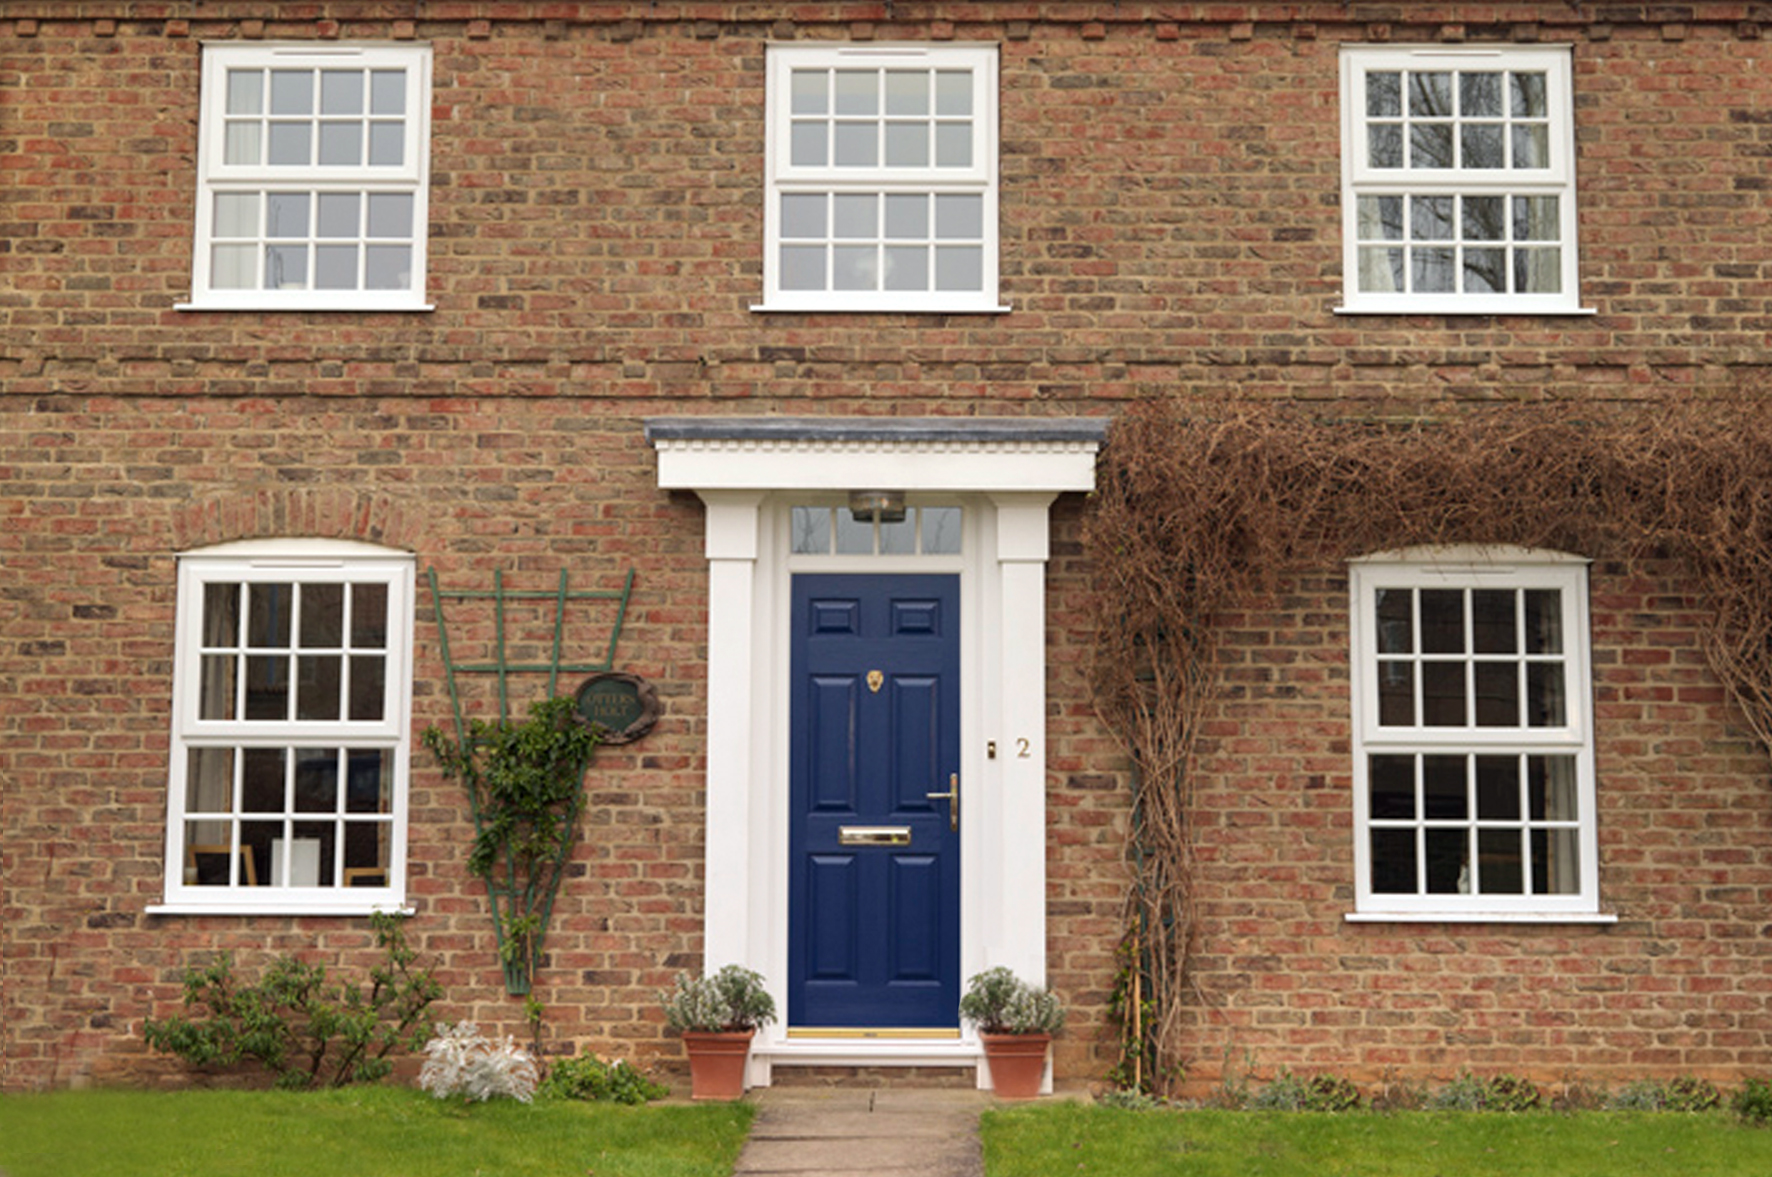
{"points": [[1492, 311], [817, 308], [269, 305], [273, 909], [1480, 917]]}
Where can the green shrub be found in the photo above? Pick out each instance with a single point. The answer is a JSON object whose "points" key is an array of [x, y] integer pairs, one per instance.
{"points": [[1691, 1094], [1499, 1093], [1753, 1102], [999, 1002], [304, 1029], [1130, 1099], [733, 999], [1320, 1093], [589, 1077], [1644, 1095]]}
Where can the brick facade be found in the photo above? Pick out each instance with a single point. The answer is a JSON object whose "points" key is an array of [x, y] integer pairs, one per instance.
{"points": [[1170, 183]]}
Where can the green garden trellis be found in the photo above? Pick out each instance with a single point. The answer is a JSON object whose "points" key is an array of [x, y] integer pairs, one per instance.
{"points": [[525, 781]]}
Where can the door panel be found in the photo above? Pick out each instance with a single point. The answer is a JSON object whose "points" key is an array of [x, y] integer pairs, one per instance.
{"points": [[873, 929]]}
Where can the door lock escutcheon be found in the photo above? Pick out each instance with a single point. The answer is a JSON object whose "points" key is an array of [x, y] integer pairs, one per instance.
{"points": [[952, 797]]}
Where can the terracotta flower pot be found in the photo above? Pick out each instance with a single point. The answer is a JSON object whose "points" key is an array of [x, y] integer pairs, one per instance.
{"points": [[1018, 1063], [716, 1062]]}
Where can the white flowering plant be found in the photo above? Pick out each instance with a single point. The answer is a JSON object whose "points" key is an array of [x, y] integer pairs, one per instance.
{"points": [[462, 1062]]}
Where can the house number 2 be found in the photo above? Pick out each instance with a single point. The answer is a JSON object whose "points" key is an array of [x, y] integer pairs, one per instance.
{"points": [[1021, 748]]}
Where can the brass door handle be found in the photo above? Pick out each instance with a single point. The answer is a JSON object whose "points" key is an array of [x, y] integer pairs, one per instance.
{"points": [[952, 797]]}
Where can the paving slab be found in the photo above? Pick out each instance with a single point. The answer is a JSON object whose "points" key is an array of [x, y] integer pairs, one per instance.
{"points": [[837, 1132]]}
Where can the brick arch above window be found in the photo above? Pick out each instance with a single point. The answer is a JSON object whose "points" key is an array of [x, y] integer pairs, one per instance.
{"points": [[221, 516]]}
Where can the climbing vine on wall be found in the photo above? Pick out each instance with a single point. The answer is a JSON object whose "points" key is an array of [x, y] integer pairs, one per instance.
{"points": [[1202, 512]]}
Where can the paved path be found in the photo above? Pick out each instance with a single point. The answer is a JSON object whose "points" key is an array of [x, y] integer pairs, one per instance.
{"points": [[846, 1132]]}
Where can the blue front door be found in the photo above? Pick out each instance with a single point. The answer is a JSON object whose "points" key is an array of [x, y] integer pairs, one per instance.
{"points": [[873, 899]]}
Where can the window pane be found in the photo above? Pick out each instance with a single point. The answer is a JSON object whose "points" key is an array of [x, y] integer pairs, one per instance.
{"points": [[1448, 861], [802, 267], [286, 267], [907, 145], [256, 838], [1498, 788], [317, 686], [855, 267], [387, 267], [941, 531], [387, 145], [215, 698], [209, 857], [1393, 862], [341, 144], [1500, 867], [855, 215], [1396, 694], [1492, 621], [899, 539], [1547, 706], [341, 91], [1384, 146], [1380, 218], [335, 267], [368, 686], [366, 854], [1532, 146], [1381, 270], [1535, 218], [242, 142], [316, 780], [959, 268], [1392, 787], [339, 214], [1442, 621], [1481, 146], [246, 91], [1384, 94], [1442, 694], [262, 783], [269, 608], [1484, 218], [369, 781], [808, 91], [1395, 621], [853, 538], [953, 145], [286, 214], [387, 92], [1556, 864], [221, 614], [1430, 95], [1527, 93], [310, 855], [1538, 271], [292, 91], [1498, 694], [953, 93], [858, 91], [1485, 271], [907, 91], [236, 215], [907, 267], [1430, 145], [959, 216], [1445, 792], [1550, 788], [810, 528], [290, 144], [1544, 621], [857, 145], [322, 615], [1430, 218], [802, 215], [807, 145], [209, 781], [369, 616], [907, 215], [1431, 271], [267, 687], [1479, 95]]}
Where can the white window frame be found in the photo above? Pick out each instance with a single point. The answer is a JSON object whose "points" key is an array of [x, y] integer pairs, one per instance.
{"points": [[217, 177], [784, 178], [306, 561], [1359, 178], [1466, 568]]}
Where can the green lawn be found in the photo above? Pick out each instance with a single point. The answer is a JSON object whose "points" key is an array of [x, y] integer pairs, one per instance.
{"points": [[1062, 1140], [358, 1132]]}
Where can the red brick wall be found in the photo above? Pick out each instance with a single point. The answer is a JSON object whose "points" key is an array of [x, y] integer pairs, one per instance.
{"points": [[1170, 186]]}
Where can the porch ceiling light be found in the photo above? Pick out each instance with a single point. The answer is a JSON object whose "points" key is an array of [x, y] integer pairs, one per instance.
{"points": [[886, 505]]}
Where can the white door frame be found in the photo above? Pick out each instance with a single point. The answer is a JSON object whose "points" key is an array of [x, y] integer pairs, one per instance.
{"points": [[1006, 473]]}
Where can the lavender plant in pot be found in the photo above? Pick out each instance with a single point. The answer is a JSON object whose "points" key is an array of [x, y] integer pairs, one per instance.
{"points": [[1016, 1022], [718, 1015]]}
